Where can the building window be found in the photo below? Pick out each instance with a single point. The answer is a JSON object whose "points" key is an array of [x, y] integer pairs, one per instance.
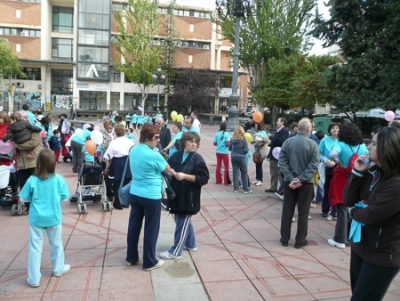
{"points": [[115, 76], [7, 31], [61, 81], [31, 74], [62, 49], [63, 19]]}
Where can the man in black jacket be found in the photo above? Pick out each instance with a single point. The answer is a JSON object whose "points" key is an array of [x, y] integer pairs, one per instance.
{"points": [[165, 133], [282, 133]]}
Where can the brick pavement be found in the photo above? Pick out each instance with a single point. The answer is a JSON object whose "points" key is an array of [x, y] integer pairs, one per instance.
{"points": [[239, 256]]}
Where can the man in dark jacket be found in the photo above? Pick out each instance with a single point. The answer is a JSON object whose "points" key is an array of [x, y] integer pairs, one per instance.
{"points": [[282, 133], [298, 161], [165, 133]]}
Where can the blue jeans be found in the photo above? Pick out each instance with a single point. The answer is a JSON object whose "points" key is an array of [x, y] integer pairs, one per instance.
{"points": [[36, 235], [184, 234], [239, 165], [150, 210]]}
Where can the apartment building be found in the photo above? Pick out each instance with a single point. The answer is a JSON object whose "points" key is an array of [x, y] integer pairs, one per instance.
{"points": [[65, 49]]}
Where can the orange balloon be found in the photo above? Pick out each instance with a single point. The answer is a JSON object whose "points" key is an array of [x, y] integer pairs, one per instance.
{"points": [[257, 116], [90, 147]]}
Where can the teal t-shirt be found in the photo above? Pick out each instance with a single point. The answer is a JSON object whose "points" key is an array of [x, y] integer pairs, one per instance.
{"points": [[146, 167], [172, 149], [346, 151], [222, 148], [45, 196], [134, 118]]}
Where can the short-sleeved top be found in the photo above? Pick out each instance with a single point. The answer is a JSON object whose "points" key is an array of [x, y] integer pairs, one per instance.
{"points": [[134, 118], [45, 196], [88, 157], [31, 117], [82, 138], [222, 148], [146, 167], [346, 151], [172, 149], [326, 146], [192, 129]]}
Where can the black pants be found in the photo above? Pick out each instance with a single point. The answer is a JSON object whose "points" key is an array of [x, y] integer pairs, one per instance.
{"points": [[302, 197], [368, 281], [23, 176]]}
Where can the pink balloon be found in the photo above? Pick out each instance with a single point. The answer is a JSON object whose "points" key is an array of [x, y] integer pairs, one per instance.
{"points": [[275, 152], [96, 127], [6, 147], [389, 115]]}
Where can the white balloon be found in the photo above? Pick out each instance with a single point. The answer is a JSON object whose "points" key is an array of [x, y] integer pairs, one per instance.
{"points": [[97, 137], [79, 133]]}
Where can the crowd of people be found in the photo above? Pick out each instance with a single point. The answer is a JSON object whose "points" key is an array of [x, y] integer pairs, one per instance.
{"points": [[356, 183]]}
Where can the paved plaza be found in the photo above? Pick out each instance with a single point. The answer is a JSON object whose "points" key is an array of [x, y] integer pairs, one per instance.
{"points": [[239, 255]]}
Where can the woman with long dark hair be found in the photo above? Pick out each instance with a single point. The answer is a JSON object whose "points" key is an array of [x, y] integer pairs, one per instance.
{"points": [[372, 194]]}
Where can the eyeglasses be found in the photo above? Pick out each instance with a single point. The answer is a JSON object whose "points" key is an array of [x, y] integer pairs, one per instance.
{"points": [[156, 137]]}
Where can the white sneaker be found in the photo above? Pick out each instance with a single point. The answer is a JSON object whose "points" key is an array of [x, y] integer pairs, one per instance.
{"points": [[330, 218], [190, 249], [248, 192], [159, 264], [253, 182], [167, 255], [67, 268], [280, 196], [258, 183], [336, 244], [312, 205]]}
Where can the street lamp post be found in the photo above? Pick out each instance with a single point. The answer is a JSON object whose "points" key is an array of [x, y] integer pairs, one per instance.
{"points": [[158, 76], [238, 9]]}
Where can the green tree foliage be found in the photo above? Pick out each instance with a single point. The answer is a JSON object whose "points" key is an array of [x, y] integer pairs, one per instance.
{"points": [[296, 81], [368, 33], [9, 66], [277, 29], [193, 89], [137, 27]]}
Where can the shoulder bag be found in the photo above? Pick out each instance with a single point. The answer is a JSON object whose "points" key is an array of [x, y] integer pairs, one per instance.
{"points": [[124, 191]]}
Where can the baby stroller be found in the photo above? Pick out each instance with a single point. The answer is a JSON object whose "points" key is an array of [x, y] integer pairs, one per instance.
{"points": [[9, 186], [90, 187]]}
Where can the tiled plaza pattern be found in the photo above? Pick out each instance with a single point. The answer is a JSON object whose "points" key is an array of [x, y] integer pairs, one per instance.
{"points": [[239, 256]]}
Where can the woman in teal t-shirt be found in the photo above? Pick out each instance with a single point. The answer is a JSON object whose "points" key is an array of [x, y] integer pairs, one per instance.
{"points": [[221, 141]]}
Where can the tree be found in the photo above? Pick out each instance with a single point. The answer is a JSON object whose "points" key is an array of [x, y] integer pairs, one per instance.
{"points": [[9, 66], [137, 26], [368, 34], [194, 89], [277, 29], [296, 81]]}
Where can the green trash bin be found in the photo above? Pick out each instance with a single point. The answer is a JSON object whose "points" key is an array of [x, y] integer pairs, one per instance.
{"points": [[322, 123]]}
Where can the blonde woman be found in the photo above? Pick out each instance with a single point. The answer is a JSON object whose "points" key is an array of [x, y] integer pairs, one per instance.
{"points": [[239, 150]]}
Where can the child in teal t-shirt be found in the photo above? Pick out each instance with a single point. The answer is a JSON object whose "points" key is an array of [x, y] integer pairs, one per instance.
{"points": [[45, 190]]}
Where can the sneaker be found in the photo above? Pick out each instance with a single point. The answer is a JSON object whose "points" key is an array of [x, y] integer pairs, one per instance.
{"points": [[167, 255], [235, 191], [258, 183], [190, 249], [248, 192], [159, 264], [164, 203], [330, 218], [336, 244], [253, 182], [34, 285], [312, 205], [293, 220], [67, 268], [280, 196]]}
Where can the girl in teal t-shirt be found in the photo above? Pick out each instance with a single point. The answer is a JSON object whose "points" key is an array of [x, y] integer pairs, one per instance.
{"points": [[45, 190], [221, 141]]}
